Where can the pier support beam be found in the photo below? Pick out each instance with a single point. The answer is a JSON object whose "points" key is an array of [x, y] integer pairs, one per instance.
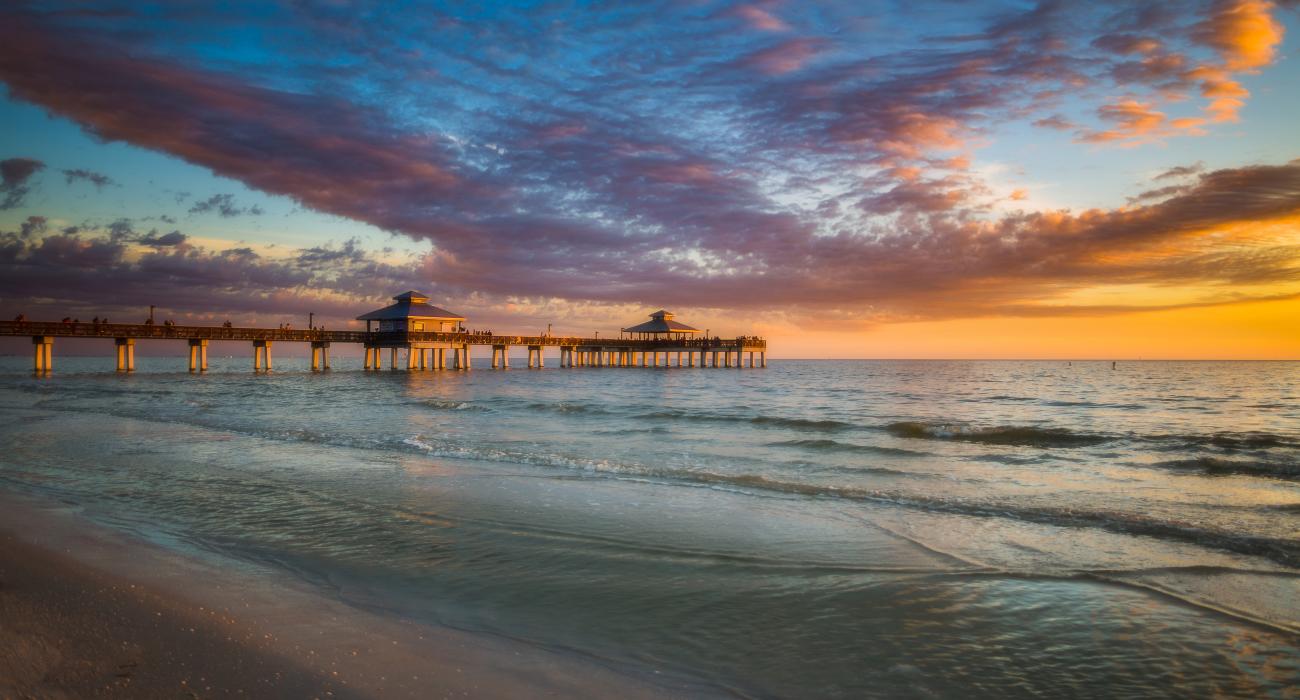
{"points": [[198, 355], [320, 355], [261, 356], [762, 359], [125, 354], [42, 353]]}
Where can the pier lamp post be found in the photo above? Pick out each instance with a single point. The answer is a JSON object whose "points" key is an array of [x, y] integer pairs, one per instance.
{"points": [[151, 314], [311, 316]]}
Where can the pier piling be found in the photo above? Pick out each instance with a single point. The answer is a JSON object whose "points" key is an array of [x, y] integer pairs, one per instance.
{"points": [[198, 355], [261, 356], [125, 354], [42, 354]]}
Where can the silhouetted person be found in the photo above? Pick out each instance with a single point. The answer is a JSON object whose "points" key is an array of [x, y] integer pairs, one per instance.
{"points": [[20, 318]]}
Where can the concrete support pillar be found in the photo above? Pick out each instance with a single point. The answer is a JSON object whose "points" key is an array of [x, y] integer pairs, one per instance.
{"points": [[261, 356], [740, 359], [198, 355], [457, 362], [392, 358], [125, 354], [690, 358], [464, 350], [42, 353], [365, 365], [715, 359], [762, 359]]}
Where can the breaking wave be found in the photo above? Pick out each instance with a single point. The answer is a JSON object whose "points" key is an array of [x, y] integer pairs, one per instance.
{"points": [[1000, 435], [1218, 465], [826, 445]]}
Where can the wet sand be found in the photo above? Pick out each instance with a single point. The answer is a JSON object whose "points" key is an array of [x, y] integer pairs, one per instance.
{"points": [[89, 612]]}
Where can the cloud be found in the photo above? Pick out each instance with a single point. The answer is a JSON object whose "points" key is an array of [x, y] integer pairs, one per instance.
{"points": [[152, 238], [1131, 120], [1159, 193], [14, 175], [758, 18], [784, 57], [98, 180], [223, 204], [1244, 32], [801, 170], [101, 273], [1181, 171]]}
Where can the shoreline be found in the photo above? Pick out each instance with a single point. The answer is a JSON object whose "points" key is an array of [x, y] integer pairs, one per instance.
{"points": [[85, 610]]}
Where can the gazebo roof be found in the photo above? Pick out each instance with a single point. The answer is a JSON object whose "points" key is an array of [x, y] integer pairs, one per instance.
{"points": [[410, 305], [661, 322]]}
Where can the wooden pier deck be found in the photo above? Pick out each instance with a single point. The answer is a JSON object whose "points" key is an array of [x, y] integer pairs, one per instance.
{"points": [[423, 350]]}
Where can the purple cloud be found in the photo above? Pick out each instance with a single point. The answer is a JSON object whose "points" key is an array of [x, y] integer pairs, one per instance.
{"points": [[771, 167], [14, 174]]}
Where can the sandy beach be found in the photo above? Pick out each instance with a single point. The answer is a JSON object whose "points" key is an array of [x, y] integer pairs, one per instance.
{"points": [[88, 612]]}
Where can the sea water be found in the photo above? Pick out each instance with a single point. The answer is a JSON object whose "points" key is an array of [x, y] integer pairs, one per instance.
{"points": [[814, 529]]}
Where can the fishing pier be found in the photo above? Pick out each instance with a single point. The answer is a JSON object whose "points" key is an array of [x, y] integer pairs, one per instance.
{"points": [[417, 337]]}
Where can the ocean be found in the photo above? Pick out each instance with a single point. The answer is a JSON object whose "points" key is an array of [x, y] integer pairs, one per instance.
{"points": [[815, 529]]}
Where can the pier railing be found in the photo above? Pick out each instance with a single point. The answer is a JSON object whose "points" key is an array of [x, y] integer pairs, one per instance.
{"points": [[165, 332]]}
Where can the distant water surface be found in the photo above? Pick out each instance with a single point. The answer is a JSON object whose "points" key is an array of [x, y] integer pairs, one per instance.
{"points": [[815, 529]]}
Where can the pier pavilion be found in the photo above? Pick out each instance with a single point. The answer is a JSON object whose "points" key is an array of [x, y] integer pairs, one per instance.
{"points": [[425, 331], [400, 326]]}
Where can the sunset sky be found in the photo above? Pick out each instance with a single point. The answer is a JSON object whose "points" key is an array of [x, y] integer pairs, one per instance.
{"points": [[901, 179]]}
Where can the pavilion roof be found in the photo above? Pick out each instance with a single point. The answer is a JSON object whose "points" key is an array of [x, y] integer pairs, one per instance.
{"points": [[410, 304], [662, 322]]}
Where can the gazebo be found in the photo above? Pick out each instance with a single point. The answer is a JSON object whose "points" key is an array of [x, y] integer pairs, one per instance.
{"points": [[661, 326], [412, 312]]}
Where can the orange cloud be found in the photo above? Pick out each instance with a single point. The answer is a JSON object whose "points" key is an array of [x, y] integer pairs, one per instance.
{"points": [[1132, 120], [1244, 33]]}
